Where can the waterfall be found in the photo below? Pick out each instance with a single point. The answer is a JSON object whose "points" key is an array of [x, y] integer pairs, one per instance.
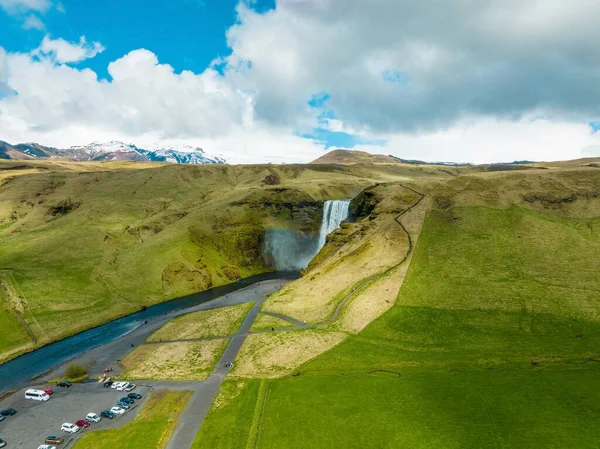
{"points": [[291, 250], [334, 212]]}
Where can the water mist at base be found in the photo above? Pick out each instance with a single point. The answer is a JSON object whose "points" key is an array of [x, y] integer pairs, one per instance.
{"points": [[288, 250]]}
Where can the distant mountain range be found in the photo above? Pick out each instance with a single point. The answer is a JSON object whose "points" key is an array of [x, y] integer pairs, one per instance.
{"points": [[111, 151]]}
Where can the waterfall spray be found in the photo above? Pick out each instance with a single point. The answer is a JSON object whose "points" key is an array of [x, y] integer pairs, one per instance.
{"points": [[290, 250]]}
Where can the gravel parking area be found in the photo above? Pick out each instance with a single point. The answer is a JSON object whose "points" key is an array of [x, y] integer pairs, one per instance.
{"points": [[36, 420]]}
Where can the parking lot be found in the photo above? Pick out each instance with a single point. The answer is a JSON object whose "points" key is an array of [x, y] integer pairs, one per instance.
{"points": [[36, 420]]}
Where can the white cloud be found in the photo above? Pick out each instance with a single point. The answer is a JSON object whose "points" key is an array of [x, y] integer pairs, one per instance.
{"points": [[63, 51], [33, 22], [20, 6], [493, 140], [466, 80], [498, 58]]}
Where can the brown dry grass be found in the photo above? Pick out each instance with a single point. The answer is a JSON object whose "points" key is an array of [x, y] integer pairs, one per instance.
{"points": [[373, 302], [314, 297], [208, 323], [278, 354], [174, 361], [263, 322]]}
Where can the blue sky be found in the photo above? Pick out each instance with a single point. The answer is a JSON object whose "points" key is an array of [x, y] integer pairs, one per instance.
{"points": [[186, 34], [299, 77]]}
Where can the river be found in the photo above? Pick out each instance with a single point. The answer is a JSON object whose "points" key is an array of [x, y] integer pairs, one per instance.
{"points": [[33, 364]]}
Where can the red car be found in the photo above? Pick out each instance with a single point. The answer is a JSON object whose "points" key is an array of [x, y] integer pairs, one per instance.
{"points": [[49, 391], [82, 423]]}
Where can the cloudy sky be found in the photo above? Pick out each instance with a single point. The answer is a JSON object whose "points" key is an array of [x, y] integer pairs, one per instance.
{"points": [[286, 80]]}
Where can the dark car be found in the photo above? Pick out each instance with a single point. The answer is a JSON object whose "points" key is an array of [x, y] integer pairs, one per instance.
{"points": [[108, 383], [124, 405], [8, 412], [2, 442], [107, 414], [64, 384], [127, 400], [134, 396], [53, 440]]}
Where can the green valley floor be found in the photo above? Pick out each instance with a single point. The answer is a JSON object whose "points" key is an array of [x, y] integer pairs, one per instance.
{"points": [[494, 342]]}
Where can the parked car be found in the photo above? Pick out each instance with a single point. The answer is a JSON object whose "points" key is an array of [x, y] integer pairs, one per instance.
{"points": [[64, 384], [70, 428], [115, 384], [127, 400], [122, 386], [8, 412], [93, 418], [37, 395], [82, 423], [2, 442], [108, 383], [117, 410], [107, 414], [46, 446], [53, 440], [134, 396], [130, 387], [124, 405], [2, 417], [49, 391]]}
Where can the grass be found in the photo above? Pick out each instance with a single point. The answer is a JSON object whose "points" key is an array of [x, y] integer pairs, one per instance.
{"points": [[144, 234], [186, 360], [489, 287], [493, 342], [152, 428], [495, 409], [208, 323], [182, 361], [267, 322], [229, 422]]}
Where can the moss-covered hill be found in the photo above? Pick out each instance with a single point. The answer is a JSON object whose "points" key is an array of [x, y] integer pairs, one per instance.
{"points": [[81, 244]]}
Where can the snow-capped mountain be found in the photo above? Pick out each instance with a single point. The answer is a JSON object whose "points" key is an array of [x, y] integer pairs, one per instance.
{"points": [[113, 151]]}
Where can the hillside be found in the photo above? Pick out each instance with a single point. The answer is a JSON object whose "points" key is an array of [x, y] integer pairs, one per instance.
{"points": [[84, 243], [472, 310], [348, 157]]}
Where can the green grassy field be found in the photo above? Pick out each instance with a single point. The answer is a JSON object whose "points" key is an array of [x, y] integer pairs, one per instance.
{"points": [[89, 243], [493, 342], [235, 414], [151, 429]]}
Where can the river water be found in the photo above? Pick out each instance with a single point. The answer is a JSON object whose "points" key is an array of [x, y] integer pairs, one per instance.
{"points": [[33, 364]]}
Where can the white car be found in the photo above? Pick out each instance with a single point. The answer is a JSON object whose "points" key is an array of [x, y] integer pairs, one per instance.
{"points": [[117, 410], [46, 446], [131, 387], [115, 384], [123, 386], [92, 417], [68, 427]]}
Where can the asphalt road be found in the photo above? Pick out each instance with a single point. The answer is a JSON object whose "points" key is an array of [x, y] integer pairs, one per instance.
{"points": [[204, 394]]}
